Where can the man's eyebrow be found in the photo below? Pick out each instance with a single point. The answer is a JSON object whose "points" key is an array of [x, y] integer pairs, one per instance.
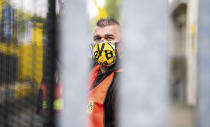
{"points": [[109, 35], [96, 36]]}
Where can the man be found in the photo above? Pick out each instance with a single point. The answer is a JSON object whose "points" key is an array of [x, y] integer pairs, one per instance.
{"points": [[104, 77]]}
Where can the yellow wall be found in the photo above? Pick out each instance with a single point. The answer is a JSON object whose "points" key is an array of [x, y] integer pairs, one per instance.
{"points": [[30, 56], [1, 2]]}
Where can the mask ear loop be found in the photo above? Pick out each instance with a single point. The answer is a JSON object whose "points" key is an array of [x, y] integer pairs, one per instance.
{"points": [[116, 53]]}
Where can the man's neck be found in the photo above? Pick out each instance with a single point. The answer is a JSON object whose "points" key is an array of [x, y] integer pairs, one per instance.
{"points": [[103, 69]]}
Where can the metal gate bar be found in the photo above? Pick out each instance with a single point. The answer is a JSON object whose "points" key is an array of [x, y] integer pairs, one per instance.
{"points": [[74, 63], [203, 111], [144, 93]]}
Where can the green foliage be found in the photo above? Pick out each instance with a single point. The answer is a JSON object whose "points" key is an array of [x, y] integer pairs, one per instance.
{"points": [[113, 8], [93, 23], [38, 19]]}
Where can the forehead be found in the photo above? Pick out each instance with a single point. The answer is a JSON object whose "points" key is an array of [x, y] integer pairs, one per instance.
{"points": [[111, 29]]}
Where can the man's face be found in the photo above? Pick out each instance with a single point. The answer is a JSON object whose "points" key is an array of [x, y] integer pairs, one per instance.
{"points": [[108, 33]]}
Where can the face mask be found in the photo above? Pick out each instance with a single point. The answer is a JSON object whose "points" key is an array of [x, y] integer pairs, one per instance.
{"points": [[104, 53]]}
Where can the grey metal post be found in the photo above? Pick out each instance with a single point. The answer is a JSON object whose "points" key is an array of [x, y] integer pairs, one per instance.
{"points": [[203, 111], [74, 63], [144, 91]]}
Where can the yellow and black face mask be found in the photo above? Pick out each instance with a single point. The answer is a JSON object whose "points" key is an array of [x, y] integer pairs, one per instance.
{"points": [[104, 53]]}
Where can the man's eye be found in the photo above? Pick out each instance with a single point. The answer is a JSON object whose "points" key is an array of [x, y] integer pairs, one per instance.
{"points": [[110, 39], [97, 39]]}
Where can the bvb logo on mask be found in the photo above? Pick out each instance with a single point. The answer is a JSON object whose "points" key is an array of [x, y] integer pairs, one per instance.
{"points": [[104, 53], [90, 106]]}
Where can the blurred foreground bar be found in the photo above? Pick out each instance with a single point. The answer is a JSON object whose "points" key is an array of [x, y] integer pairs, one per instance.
{"points": [[204, 65], [144, 93], [74, 62]]}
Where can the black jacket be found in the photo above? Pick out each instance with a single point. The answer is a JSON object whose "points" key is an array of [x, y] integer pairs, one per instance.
{"points": [[111, 101]]}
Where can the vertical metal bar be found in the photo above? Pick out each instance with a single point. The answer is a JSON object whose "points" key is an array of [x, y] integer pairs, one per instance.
{"points": [[51, 63], [203, 65], [74, 63], [191, 51], [33, 65], [144, 92]]}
